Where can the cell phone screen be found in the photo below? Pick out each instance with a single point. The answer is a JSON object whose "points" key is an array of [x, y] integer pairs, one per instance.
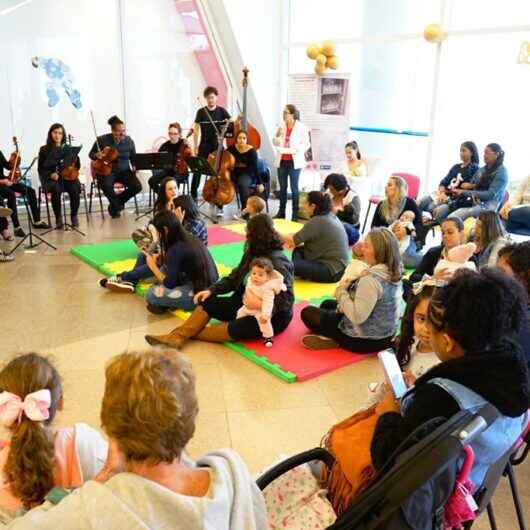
{"points": [[393, 375]]}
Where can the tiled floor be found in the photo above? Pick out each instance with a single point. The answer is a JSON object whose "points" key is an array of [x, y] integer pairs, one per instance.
{"points": [[52, 303]]}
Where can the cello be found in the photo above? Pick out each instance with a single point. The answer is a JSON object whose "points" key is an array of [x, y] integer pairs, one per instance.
{"points": [[242, 123], [70, 172], [219, 188], [102, 167], [14, 164]]}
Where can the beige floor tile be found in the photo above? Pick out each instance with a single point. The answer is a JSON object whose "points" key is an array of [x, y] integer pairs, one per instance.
{"points": [[261, 436], [209, 387], [249, 387], [211, 433]]}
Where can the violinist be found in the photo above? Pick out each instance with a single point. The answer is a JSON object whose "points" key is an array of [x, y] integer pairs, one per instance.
{"points": [[245, 172], [179, 148], [122, 169], [9, 190], [205, 133], [52, 181]]}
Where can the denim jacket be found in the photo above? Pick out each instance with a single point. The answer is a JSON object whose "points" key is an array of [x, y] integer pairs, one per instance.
{"points": [[488, 194]]}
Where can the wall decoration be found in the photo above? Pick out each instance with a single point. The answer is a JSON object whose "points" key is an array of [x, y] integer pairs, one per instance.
{"points": [[434, 33], [524, 53], [324, 56], [60, 79]]}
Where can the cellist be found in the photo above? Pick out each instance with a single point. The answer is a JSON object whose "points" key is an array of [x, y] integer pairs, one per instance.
{"points": [[179, 148], [205, 133], [122, 169], [52, 181]]}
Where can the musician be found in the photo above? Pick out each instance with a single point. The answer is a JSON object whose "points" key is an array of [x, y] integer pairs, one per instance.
{"points": [[9, 190], [122, 169], [178, 147], [52, 181], [205, 133], [245, 173]]}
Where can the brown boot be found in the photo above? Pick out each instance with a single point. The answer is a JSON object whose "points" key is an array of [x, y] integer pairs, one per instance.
{"points": [[217, 333], [188, 329]]}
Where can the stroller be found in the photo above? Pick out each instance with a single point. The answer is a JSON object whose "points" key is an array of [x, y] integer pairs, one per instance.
{"points": [[411, 491]]}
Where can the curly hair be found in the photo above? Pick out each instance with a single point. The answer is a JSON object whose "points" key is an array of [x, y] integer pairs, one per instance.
{"points": [[406, 334], [517, 255], [149, 406], [262, 237], [479, 309], [29, 465]]}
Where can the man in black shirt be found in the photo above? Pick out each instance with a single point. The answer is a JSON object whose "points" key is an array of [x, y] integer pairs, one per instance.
{"points": [[122, 170], [207, 132]]}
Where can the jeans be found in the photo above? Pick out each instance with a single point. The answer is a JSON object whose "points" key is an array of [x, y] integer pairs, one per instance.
{"points": [[464, 213], [10, 193], [132, 187], [519, 220], [286, 172], [411, 257], [180, 297], [243, 181], [141, 271], [72, 187], [438, 211], [313, 270], [352, 233]]}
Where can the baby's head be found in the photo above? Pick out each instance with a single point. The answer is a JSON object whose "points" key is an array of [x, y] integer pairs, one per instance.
{"points": [[407, 216], [261, 270], [255, 205], [461, 253]]}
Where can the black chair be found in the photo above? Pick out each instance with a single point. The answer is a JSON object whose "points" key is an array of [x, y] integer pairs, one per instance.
{"points": [[43, 193], [95, 188], [411, 490]]}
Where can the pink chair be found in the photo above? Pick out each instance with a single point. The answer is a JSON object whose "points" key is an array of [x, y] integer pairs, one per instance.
{"points": [[413, 186]]}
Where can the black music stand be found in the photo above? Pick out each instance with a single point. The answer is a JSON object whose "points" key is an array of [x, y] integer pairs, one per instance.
{"points": [[198, 164], [153, 161], [30, 235], [59, 158]]}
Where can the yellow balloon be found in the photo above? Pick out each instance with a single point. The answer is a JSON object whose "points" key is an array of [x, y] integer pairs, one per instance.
{"points": [[332, 62], [320, 69], [312, 51], [328, 48], [321, 59], [434, 33]]}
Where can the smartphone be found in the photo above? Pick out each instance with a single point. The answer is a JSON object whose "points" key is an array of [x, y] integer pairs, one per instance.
{"points": [[393, 374]]}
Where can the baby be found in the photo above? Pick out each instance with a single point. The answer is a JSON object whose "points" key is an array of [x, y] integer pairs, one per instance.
{"points": [[353, 272], [255, 205], [457, 258], [407, 221], [262, 286]]}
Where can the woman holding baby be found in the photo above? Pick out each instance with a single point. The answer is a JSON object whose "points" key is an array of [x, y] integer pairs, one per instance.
{"points": [[364, 314]]}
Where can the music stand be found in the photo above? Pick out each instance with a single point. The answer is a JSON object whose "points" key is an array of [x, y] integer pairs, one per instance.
{"points": [[59, 158], [198, 164], [153, 161], [30, 235]]}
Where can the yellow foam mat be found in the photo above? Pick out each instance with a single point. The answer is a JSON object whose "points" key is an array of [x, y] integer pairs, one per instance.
{"points": [[306, 290], [284, 226]]}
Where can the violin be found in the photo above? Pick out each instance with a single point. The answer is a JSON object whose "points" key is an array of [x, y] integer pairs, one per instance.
{"points": [[242, 123], [14, 163], [219, 188], [102, 166], [184, 153], [70, 172]]}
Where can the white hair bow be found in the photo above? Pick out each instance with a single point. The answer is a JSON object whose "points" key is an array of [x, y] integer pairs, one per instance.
{"points": [[35, 406]]}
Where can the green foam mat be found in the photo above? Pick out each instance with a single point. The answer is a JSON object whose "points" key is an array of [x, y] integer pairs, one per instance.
{"points": [[96, 255]]}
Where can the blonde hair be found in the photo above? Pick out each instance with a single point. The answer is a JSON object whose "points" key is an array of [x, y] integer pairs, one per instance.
{"points": [[257, 203], [391, 211], [386, 251], [150, 405], [29, 465]]}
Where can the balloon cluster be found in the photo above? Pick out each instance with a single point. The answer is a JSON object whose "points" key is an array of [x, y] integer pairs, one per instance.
{"points": [[324, 56]]}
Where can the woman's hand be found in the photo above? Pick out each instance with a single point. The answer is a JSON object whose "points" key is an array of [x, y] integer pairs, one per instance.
{"points": [[201, 296], [179, 214], [443, 275], [55, 176], [279, 132], [399, 230], [288, 241], [467, 186], [260, 188], [505, 210], [151, 260], [115, 463], [357, 250], [388, 403]]}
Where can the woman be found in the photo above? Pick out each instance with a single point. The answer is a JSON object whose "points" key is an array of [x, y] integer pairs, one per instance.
{"points": [[490, 237], [346, 204], [514, 260], [438, 204], [516, 212], [245, 172], [324, 254], [291, 141], [52, 181], [179, 148], [126, 281], [469, 321], [262, 242], [354, 165], [364, 315], [188, 268], [123, 170], [188, 214], [395, 203], [487, 189], [148, 413]]}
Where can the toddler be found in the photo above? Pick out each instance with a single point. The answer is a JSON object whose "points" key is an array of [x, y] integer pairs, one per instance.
{"points": [[407, 221], [255, 205], [262, 286]]}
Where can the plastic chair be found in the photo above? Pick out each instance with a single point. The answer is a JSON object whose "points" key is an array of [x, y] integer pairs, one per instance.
{"points": [[413, 188]]}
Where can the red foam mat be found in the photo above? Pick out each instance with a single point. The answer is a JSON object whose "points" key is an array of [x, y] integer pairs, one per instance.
{"points": [[217, 235]]}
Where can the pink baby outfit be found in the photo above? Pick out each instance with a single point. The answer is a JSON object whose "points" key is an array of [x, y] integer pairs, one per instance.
{"points": [[258, 301]]}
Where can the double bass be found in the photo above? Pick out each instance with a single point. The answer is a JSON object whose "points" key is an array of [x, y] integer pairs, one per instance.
{"points": [[102, 167], [14, 163], [242, 123], [70, 172]]}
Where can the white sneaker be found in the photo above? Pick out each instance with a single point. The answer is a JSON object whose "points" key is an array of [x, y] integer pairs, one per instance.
{"points": [[220, 212], [119, 286], [6, 257]]}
